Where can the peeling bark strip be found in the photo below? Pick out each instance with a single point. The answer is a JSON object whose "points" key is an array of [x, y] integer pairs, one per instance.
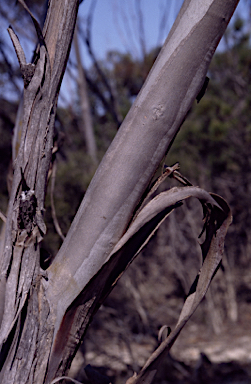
{"points": [[212, 250], [136, 237], [49, 316]]}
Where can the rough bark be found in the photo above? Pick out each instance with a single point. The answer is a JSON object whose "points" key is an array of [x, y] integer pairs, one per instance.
{"points": [[22, 330], [49, 315]]}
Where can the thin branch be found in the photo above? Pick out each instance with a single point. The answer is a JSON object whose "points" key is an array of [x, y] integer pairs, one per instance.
{"points": [[106, 104], [53, 209], [65, 378], [141, 29], [86, 123], [124, 27], [18, 48], [86, 37], [2, 216]]}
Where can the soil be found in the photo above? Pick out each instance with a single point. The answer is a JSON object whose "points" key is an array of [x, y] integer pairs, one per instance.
{"points": [[198, 356]]}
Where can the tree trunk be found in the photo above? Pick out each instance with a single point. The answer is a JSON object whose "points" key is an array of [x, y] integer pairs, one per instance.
{"points": [[25, 337], [86, 117], [45, 317]]}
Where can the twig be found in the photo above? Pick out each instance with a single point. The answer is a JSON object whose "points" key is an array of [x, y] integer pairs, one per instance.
{"points": [[2, 216], [53, 209], [65, 378]]}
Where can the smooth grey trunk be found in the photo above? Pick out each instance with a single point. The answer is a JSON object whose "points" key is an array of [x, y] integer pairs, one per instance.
{"points": [[143, 139]]}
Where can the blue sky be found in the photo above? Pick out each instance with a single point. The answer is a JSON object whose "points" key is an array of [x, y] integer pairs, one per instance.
{"points": [[116, 26], [115, 23]]}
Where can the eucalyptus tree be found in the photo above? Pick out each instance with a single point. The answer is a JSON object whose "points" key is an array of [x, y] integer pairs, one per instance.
{"points": [[45, 313]]}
